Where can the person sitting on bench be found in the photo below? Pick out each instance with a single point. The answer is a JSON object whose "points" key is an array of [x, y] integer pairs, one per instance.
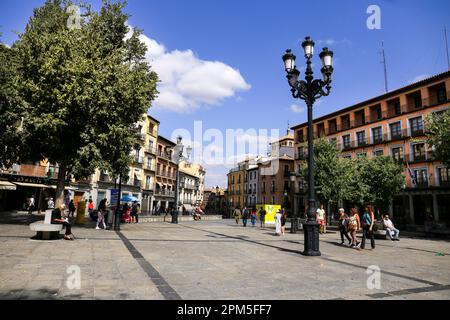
{"points": [[57, 219], [391, 231]]}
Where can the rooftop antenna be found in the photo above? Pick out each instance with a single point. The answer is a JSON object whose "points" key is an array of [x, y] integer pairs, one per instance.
{"points": [[446, 46], [385, 68]]}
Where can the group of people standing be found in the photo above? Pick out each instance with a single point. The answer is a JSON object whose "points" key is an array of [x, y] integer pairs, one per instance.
{"points": [[350, 224], [245, 214]]}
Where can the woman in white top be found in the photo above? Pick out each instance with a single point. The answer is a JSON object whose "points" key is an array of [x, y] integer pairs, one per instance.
{"points": [[278, 222], [320, 218]]}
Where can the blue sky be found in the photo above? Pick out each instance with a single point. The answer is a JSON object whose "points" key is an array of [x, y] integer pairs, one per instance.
{"points": [[225, 55]]}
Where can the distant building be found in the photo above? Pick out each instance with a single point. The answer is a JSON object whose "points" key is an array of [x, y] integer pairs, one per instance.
{"points": [[392, 125]]}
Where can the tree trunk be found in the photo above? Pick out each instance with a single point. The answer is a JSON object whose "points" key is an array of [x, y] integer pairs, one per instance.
{"points": [[59, 198]]}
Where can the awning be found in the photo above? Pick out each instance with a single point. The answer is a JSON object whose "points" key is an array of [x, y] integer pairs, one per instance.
{"points": [[5, 185], [34, 185], [65, 188]]}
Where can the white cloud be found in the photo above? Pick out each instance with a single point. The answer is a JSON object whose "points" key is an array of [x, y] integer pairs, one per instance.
{"points": [[296, 108], [187, 82], [331, 42], [419, 78]]}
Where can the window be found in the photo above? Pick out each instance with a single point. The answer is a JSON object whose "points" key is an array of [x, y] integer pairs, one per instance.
{"points": [[272, 186], [397, 108], [361, 136], [416, 125], [397, 153], [443, 175], [419, 152], [421, 177], [377, 134], [396, 130], [273, 200], [417, 101], [346, 141], [441, 95], [378, 153], [264, 187], [286, 186]]}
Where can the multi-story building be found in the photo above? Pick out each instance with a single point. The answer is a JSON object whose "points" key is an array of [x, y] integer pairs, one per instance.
{"points": [[166, 175], [393, 125], [103, 183], [252, 185], [191, 184], [151, 129], [236, 185], [274, 180]]}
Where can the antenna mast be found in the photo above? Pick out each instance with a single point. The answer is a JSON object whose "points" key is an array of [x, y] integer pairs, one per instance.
{"points": [[385, 68], [446, 46]]}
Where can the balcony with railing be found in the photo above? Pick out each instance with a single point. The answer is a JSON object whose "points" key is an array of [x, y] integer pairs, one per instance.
{"points": [[301, 156], [150, 167], [134, 182], [138, 160], [165, 155], [163, 192], [417, 132], [151, 150]]}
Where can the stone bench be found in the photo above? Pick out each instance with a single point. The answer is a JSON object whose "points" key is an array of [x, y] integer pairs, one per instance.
{"points": [[44, 229]]}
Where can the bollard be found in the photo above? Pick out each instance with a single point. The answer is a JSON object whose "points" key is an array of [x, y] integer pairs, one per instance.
{"points": [[81, 212]]}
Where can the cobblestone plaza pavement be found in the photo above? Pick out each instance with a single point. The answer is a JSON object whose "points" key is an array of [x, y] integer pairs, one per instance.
{"points": [[209, 260]]}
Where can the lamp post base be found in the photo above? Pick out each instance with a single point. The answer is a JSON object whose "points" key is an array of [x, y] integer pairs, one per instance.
{"points": [[311, 230]]}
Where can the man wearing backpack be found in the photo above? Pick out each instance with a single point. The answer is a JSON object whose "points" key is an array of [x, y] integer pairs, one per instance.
{"points": [[245, 216]]}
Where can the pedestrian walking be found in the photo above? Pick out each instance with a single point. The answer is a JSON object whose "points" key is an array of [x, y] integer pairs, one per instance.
{"points": [[100, 219], [353, 225], [134, 212], [321, 219], [31, 204], [262, 217], [368, 220], [278, 223], [343, 223], [391, 231], [245, 216], [253, 217], [71, 208], [237, 214], [283, 221], [91, 209]]}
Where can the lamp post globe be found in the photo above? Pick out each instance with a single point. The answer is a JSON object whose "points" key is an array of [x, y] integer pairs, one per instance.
{"points": [[310, 90]]}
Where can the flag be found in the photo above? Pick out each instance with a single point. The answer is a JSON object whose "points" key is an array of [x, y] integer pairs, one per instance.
{"points": [[412, 175]]}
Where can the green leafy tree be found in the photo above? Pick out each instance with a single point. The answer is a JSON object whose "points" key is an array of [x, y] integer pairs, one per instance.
{"points": [[84, 89], [336, 178], [383, 177], [438, 133], [11, 109]]}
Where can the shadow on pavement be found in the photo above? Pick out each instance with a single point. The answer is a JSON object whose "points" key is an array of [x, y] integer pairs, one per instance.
{"points": [[39, 294]]}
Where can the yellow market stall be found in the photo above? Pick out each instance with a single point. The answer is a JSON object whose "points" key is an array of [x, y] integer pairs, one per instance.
{"points": [[271, 209]]}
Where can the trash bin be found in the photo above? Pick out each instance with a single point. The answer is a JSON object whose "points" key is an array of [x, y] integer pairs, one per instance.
{"points": [[81, 212]]}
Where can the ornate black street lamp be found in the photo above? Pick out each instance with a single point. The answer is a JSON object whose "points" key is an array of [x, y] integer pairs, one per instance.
{"points": [[310, 90], [177, 158]]}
